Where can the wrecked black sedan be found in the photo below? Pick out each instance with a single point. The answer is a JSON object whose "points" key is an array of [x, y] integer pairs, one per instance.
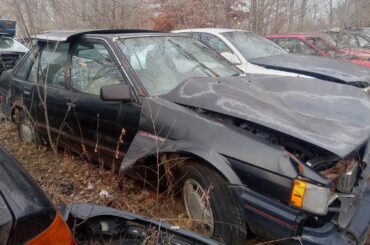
{"points": [[280, 157]]}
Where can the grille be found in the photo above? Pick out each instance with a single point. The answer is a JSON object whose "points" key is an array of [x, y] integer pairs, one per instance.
{"points": [[8, 60]]}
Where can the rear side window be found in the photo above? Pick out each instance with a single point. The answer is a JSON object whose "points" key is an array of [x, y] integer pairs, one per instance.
{"points": [[51, 65], [23, 68], [296, 46], [320, 44]]}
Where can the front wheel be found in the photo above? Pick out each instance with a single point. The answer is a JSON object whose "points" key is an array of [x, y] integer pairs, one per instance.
{"points": [[211, 204]]}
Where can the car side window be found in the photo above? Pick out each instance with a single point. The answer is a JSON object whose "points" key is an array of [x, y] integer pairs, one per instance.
{"points": [[361, 41], [24, 67], [320, 44], [214, 42], [92, 68], [51, 64], [297, 46]]}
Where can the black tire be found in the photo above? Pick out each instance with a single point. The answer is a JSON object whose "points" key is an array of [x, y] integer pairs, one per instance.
{"points": [[22, 121], [229, 222]]}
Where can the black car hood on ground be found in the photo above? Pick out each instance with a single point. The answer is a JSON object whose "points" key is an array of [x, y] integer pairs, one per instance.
{"points": [[125, 227], [331, 116], [320, 67], [31, 210]]}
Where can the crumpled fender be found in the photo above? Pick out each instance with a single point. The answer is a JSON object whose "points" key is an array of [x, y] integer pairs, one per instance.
{"points": [[146, 144]]}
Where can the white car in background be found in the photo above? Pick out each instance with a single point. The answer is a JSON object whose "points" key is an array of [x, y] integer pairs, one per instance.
{"points": [[216, 39], [255, 54]]}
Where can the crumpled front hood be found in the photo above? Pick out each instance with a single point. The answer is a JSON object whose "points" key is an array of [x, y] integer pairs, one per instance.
{"points": [[320, 67], [332, 116]]}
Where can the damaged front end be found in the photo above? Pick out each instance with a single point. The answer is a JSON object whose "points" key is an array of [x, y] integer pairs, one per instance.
{"points": [[348, 213], [333, 209], [349, 179], [342, 200], [296, 157]]}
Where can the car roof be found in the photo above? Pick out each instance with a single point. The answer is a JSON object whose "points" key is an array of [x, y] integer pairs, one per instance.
{"points": [[65, 35], [210, 30], [297, 35]]}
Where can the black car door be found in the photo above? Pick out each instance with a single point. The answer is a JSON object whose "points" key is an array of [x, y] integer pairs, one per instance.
{"points": [[53, 110], [103, 129], [22, 87]]}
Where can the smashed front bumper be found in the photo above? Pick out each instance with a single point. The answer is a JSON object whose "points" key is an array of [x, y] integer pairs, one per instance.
{"points": [[277, 221], [356, 232]]}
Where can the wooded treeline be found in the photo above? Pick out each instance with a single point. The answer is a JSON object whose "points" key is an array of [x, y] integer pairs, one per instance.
{"points": [[261, 16]]}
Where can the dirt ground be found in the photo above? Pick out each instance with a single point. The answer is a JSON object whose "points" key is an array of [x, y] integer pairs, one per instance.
{"points": [[68, 179]]}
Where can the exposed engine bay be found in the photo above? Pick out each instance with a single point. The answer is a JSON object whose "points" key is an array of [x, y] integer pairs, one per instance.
{"points": [[342, 172]]}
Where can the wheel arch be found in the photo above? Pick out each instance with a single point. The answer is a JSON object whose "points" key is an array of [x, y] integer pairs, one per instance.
{"points": [[144, 147]]}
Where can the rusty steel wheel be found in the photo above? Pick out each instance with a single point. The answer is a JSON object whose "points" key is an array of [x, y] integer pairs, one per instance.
{"points": [[211, 204]]}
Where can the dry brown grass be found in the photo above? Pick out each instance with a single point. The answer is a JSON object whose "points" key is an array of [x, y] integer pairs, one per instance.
{"points": [[71, 180]]}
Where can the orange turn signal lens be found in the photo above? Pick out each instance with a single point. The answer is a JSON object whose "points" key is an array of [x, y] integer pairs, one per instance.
{"points": [[298, 191], [57, 233]]}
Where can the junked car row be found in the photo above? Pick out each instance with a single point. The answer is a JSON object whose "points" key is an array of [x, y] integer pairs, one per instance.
{"points": [[256, 139]]}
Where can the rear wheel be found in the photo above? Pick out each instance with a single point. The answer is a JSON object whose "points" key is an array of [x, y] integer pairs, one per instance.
{"points": [[211, 204], [26, 129]]}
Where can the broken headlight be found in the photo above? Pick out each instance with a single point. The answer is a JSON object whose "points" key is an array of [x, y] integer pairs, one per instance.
{"points": [[309, 197]]}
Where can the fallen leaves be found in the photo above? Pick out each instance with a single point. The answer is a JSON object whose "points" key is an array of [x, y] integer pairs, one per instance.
{"points": [[69, 180]]}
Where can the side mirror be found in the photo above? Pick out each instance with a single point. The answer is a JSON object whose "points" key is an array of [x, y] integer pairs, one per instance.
{"points": [[232, 58], [116, 92]]}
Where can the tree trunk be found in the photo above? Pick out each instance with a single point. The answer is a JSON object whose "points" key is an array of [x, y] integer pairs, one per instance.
{"points": [[291, 15], [302, 14]]}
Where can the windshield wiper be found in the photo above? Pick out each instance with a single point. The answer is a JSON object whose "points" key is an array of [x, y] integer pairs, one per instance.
{"points": [[188, 55]]}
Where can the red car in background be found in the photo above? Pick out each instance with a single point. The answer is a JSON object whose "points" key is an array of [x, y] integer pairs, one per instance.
{"points": [[315, 44]]}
